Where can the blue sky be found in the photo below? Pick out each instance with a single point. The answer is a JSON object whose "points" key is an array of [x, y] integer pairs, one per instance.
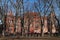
{"points": [[30, 5], [56, 9]]}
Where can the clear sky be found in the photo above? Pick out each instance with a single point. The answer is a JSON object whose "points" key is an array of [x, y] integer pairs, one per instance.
{"points": [[30, 5], [56, 9]]}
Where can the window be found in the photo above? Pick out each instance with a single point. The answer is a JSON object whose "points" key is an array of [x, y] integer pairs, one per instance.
{"points": [[0, 21], [10, 21]]}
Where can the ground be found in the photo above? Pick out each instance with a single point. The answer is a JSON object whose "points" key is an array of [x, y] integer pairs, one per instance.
{"points": [[29, 38]]}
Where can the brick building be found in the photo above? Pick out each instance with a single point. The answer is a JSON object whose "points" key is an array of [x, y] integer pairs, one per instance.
{"points": [[13, 25], [32, 22]]}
